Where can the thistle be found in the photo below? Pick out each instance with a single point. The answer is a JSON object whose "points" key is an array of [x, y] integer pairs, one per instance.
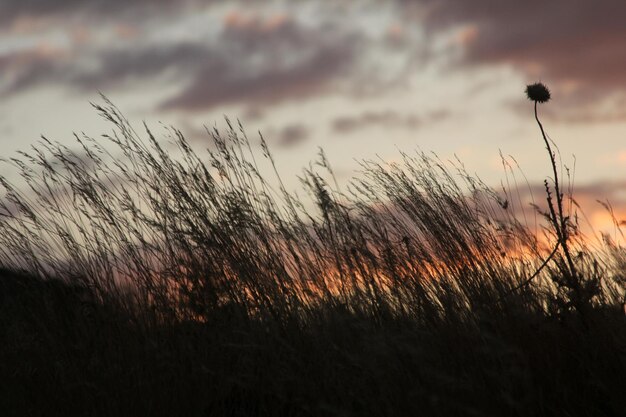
{"points": [[558, 218], [538, 93]]}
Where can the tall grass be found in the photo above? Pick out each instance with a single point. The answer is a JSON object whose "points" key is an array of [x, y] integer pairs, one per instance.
{"points": [[196, 285]]}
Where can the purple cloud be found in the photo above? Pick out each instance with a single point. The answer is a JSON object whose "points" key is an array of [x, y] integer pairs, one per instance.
{"points": [[576, 47], [268, 61]]}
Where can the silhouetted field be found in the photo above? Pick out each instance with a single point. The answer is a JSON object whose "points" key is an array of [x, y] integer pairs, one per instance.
{"points": [[159, 283]]}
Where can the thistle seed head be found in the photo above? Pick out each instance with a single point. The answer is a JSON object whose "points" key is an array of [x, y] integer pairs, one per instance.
{"points": [[538, 92]]}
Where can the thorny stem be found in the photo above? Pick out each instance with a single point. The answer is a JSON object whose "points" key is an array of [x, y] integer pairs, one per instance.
{"points": [[559, 219]]}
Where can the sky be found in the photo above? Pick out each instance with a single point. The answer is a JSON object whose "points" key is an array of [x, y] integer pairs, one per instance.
{"points": [[361, 79]]}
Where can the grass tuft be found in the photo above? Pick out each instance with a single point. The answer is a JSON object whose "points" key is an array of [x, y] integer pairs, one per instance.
{"points": [[140, 278]]}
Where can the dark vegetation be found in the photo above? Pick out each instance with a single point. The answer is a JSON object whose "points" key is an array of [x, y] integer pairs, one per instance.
{"points": [[161, 285]]}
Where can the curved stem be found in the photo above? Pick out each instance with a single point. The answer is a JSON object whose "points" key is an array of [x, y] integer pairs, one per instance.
{"points": [[558, 219], [529, 279], [557, 190]]}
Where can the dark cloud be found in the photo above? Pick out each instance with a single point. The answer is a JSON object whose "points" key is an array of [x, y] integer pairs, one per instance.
{"points": [[262, 57], [387, 119], [269, 62], [254, 112], [12, 10], [27, 69], [24, 69], [253, 59], [221, 82], [575, 46], [117, 66], [293, 134]]}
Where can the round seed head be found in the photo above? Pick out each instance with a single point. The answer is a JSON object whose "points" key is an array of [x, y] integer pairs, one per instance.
{"points": [[538, 92]]}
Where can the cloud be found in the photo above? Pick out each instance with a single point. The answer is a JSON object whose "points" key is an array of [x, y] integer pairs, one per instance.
{"points": [[23, 68], [287, 135], [253, 58], [578, 110], [576, 47], [12, 11], [97, 70], [268, 60], [239, 53], [386, 119], [293, 134]]}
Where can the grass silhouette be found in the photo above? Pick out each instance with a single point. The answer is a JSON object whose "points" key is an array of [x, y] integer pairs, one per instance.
{"points": [[136, 282]]}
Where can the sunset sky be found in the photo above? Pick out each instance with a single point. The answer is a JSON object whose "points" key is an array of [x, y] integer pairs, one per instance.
{"points": [[362, 79]]}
